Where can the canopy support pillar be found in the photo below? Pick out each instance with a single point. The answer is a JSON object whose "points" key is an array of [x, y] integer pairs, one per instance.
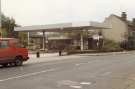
{"points": [[82, 46], [43, 40]]}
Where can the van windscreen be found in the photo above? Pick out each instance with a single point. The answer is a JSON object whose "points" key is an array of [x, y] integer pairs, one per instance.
{"points": [[3, 44]]}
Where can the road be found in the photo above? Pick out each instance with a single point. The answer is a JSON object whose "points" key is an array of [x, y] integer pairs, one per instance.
{"points": [[80, 72]]}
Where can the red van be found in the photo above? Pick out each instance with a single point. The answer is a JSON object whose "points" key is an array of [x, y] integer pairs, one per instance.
{"points": [[12, 52]]}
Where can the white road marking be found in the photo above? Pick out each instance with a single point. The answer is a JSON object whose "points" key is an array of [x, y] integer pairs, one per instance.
{"points": [[77, 87], [77, 64], [67, 82], [106, 73], [89, 62], [27, 75], [85, 83], [73, 84], [80, 64]]}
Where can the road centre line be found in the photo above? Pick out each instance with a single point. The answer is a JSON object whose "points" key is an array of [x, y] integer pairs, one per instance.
{"points": [[27, 75]]}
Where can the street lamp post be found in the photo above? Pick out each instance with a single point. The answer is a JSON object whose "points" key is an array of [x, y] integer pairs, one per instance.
{"points": [[0, 14], [0, 20]]}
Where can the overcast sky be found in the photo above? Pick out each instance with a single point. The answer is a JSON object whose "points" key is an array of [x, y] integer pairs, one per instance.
{"points": [[40, 12]]}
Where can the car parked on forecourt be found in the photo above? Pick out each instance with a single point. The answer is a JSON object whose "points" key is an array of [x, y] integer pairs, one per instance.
{"points": [[12, 52]]}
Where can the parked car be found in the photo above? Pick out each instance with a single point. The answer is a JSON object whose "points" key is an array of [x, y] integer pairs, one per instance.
{"points": [[12, 52]]}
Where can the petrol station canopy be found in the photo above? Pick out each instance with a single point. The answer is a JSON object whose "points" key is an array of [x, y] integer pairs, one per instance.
{"points": [[63, 27]]}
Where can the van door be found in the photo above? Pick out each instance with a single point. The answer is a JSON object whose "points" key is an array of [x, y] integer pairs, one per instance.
{"points": [[6, 52]]}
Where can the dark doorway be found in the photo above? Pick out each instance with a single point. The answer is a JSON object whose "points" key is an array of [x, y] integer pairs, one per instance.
{"points": [[90, 43]]}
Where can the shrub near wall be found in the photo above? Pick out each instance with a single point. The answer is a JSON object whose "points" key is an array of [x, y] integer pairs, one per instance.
{"points": [[110, 45]]}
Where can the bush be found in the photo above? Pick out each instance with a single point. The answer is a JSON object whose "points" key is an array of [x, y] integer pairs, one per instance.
{"points": [[72, 47], [110, 45]]}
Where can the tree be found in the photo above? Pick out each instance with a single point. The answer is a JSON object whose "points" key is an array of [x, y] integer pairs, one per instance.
{"points": [[8, 25], [23, 37]]}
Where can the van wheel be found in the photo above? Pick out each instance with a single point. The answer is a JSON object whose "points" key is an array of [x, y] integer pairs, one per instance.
{"points": [[18, 61]]}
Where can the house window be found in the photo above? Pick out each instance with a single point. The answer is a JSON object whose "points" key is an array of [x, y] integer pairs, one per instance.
{"points": [[133, 34]]}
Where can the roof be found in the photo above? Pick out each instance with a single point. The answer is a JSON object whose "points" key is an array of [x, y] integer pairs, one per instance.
{"points": [[62, 27], [118, 17], [128, 22]]}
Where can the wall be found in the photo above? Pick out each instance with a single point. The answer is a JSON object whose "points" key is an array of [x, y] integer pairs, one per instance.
{"points": [[118, 30]]}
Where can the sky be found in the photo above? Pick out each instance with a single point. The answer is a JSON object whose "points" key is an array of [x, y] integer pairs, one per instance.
{"points": [[41, 12]]}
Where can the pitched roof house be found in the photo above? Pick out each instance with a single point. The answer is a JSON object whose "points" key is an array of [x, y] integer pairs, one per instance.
{"points": [[121, 29]]}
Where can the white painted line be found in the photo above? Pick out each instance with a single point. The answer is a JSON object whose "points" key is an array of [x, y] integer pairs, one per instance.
{"points": [[80, 64], [77, 64], [106, 73], [67, 82], [77, 87], [27, 75], [85, 83]]}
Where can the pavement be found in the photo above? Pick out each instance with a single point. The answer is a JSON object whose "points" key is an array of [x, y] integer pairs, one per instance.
{"points": [[46, 57], [112, 71]]}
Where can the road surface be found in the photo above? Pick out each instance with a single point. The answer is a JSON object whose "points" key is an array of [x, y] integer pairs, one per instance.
{"points": [[79, 72]]}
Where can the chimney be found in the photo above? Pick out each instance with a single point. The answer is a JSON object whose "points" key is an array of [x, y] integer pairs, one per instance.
{"points": [[124, 16]]}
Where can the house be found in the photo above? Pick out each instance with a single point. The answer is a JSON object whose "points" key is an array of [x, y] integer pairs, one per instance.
{"points": [[121, 30]]}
